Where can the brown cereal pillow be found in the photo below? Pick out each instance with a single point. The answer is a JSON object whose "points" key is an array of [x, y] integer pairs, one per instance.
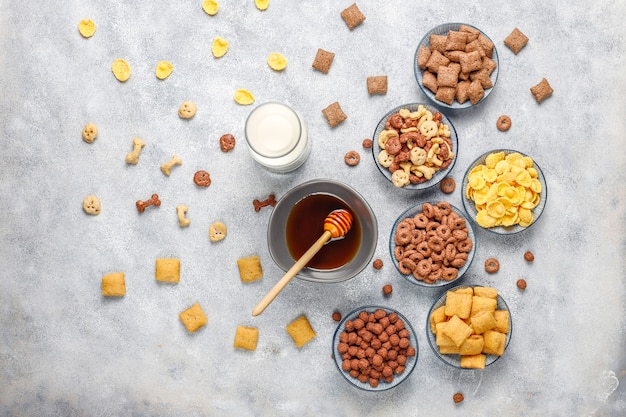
{"points": [[462, 91], [516, 41], [423, 55], [438, 42], [323, 60], [446, 94], [448, 76], [456, 40], [377, 84], [482, 76], [353, 16], [334, 114], [430, 81], [436, 60], [470, 61], [542, 91], [475, 92]]}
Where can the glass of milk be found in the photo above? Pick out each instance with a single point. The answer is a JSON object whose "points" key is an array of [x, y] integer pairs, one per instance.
{"points": [[277, 137]]}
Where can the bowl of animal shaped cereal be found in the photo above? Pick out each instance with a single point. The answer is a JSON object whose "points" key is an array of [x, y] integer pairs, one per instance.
{"points": [[432, 244], [469, 327], [456, 65], [504, 191], [414, 146], [360, 353]]}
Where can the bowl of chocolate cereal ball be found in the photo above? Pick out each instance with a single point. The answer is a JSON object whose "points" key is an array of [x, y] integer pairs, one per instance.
{"points": [[414, 146], [456, 65], [432, 244], [469, 327], [375, 348], [504, 191]]}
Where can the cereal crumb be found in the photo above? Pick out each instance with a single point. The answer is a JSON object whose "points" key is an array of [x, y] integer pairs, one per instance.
{"points": [[521, 284], [378, 263], [458, 397], [529, 257], [367, 143], [492, 265], [387, 289], [227, 142], [336, 316]]}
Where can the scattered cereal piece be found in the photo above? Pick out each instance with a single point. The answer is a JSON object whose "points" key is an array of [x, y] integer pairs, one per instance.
{"points": [[167, 270], [91, 205], [542, 90], [133, 157], [323, 60], [219, 47], [187, 110], [246, 338], [334, 114], [113, 285], [202, 178], [121, 69], [164, 69], [367, 143], [503, 123], [336, 316], [210, 7], [250, 269], [529, 257], [516, 41], [387, 289], [244, 97], [352, 16], [352, 158], [217, 231], [166, 168], [458, 397], [492, 265], [377, 84], [521, 284], [193, 318], [227, 142], [262, 4], [378, 263], [301, 331], [90, 132], [87, 28], [269, 201], [181, 210], [447, 185], [276, 61], [153, 201]]}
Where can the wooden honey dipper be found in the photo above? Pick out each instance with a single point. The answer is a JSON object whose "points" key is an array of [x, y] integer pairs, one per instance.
{"points": [[336, 225]]}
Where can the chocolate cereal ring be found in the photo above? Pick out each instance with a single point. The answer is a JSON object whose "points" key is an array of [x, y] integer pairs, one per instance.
{"points": [[406, 266], [403, 236], [436, 244], [459, 260], [423, 267], [352, 158], [444, 207], [417, 236], [448, 274], [428, 210], [492, 265], [456, 223], [420, 220], [459, 234], [465, 245], [504, 123], [202, 178], [444, 232], [398, 252]]}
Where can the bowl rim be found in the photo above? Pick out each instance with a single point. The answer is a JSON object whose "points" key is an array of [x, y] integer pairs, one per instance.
{"points": [[440, 174], [439, 283], [298, 192], [383, 385], [468, 204], [454, 360], [441, 29]]}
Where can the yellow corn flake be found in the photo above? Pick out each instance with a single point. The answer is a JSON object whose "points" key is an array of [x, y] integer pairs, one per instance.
{"points": [[493, 158], [219, 47], [210, 7], [164, 69], [485, 220], [262, 4], [244, 97], [496, 209], [276, 61], [476, 181], [87, 28], [121, 69], [489, 174]]}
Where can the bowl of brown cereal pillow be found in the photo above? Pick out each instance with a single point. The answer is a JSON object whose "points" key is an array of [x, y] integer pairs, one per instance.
{"points": [[504, 191], [469, 327], [456, 65], [414, 146], [375, 348], [432, 244]]}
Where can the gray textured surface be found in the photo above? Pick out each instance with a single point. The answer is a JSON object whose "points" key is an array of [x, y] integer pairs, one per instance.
{"points": [[64, 350]]}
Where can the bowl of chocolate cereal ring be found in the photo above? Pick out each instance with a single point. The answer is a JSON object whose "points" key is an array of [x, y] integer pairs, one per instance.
{"points": [[414, 146], [432, 244]]}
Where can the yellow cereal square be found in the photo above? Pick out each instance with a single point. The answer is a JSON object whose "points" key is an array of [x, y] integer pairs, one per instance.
{"points": [[167, 270], [473, 345], [193, 318], [437, 316], [488, 292], [441, 339], [113, 285], [457, 330], [449, 350], [301, 331], [250, 268], [246, 338], [480, 304], [473, 361], [458, 304], [483, 321], [502, 321], [495, 342]]}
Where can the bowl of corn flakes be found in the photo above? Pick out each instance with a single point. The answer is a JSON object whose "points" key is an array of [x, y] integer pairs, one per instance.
{"points": [[456, 65], [414, 146], [469, 327], [504, 191]]}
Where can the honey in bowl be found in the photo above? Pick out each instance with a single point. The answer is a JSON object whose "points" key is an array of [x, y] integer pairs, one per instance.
{"points": [[305, 224]]}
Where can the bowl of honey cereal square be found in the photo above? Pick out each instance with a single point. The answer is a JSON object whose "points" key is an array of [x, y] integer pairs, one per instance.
{"points": [[414, 146], [297, 222], [469, 327], [504, 191], [375, 348], [432, 244], [456, 65]]}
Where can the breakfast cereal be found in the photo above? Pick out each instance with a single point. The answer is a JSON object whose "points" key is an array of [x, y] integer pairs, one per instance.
{"points": [[219, 47], [91, 205], [250, 268], [262, 4], [90, 132], [121, 70], [166, 168], [516, 41], [187, 110], [541, 91], [87, 28], [193, 318], [377, 84], [114, 285], [133, 157], [217, 231], [167, 270], [227, 142], [163, 69], [246, 338], [301, 331], [334, 114], [276, 61], [323, 60], [352, 16], [243, 97], [202, 178], [210, 7], [181, 211]]}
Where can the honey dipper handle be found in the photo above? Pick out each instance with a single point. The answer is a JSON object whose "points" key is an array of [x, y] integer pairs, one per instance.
{"points": [[293, 271]]}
